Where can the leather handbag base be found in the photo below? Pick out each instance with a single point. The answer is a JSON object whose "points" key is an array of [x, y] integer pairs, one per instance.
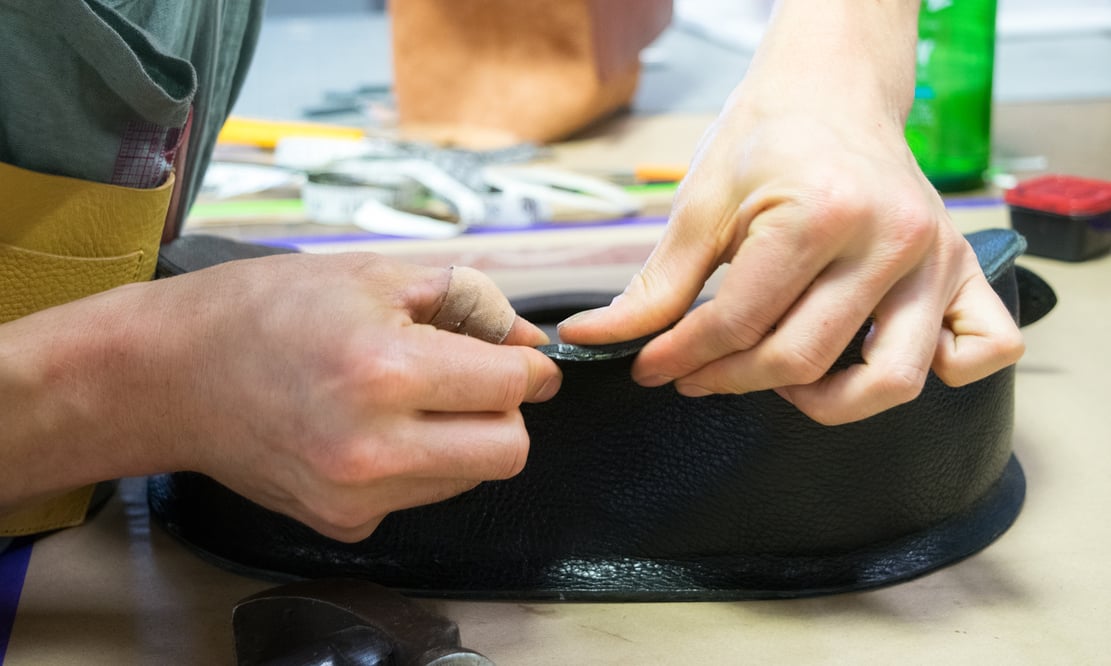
{"points": [[618, 579], [639, 494]]}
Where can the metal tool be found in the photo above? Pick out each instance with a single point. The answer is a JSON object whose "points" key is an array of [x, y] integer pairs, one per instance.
{"points": [[341, 622]]}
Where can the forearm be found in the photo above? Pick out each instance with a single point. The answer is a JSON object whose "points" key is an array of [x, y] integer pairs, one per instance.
{"points": [[67, 376], [849, 56]]}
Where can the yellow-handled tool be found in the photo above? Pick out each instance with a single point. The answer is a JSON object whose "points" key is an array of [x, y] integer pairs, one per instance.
{"points": [[266, 133]]}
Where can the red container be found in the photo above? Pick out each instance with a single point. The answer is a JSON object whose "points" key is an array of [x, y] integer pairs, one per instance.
{"points": [[1062, 217]]}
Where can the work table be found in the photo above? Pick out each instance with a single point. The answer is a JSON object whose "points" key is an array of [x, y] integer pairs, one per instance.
{"points": [[119, 590]]}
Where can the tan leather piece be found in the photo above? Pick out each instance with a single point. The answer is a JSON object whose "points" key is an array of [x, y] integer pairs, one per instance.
{"points": [[474, 306], [65, 510], [535, 71], [62, 239]]}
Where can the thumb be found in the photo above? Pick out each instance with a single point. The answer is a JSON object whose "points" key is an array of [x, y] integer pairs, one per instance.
{"points": [[661, 292], [474, 306]]}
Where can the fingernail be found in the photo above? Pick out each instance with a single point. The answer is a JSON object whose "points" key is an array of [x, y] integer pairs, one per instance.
{"points": [[580, 317], [693, 391], [653, 380]]}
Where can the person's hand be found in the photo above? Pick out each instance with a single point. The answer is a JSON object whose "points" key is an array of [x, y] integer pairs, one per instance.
{"points": [[823, 228], [806, 187], [315, 386]]}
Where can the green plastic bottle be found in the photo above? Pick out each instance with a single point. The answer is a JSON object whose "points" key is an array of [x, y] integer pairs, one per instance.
{"points": [[949, 125]]}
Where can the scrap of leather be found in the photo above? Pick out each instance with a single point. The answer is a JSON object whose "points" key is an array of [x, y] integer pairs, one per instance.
{"points": [[62, 239], [515, 71], [634, 493]]}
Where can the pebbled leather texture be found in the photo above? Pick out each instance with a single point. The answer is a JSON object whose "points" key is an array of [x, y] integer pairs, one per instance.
{"points": [[62, 238], [633, 493]]}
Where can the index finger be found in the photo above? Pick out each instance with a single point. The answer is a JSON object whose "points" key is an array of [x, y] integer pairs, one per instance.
{"points": [[774, 265]]}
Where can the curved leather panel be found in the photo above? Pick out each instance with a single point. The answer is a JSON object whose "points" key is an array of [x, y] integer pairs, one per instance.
{"points": [[638, 493]]}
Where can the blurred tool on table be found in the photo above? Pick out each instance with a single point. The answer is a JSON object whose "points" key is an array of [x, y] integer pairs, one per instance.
{"points": [[949, 126]]}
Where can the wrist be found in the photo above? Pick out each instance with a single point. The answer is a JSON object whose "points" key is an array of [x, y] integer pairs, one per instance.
{"points": [[66, 383], [837, 57]]}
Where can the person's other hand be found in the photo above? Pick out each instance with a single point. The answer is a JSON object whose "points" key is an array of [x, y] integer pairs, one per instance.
{"points": [[315, 385], [825, 223]]}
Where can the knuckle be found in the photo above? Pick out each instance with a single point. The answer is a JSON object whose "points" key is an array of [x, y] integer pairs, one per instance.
{"points": [[378, 372], [656, 277], [1011, 346], [915, 224], [901, 383], [350, 535], [1007, 348], [740, 332], [800, 364], [513, 388], [831, 204], [653, 277], [910, 224], [691, 202], [515, 453], [505, 376], [345, 520], [911, 232], [825, 415], [389, 378], [821, 411], [956, 376], [357, 463]]}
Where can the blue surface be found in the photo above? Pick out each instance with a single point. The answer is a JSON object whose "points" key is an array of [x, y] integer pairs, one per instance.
{"points": [[13, 570]]}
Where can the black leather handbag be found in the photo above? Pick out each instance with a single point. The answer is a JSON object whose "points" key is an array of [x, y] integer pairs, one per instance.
{"points": [[632, 493]]}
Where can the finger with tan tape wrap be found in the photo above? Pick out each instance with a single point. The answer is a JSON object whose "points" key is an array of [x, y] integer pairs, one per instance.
{"points": [[474, 306]]}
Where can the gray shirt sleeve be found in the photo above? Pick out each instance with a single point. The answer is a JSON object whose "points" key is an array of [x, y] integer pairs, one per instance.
{"points": [[103, 89]]}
